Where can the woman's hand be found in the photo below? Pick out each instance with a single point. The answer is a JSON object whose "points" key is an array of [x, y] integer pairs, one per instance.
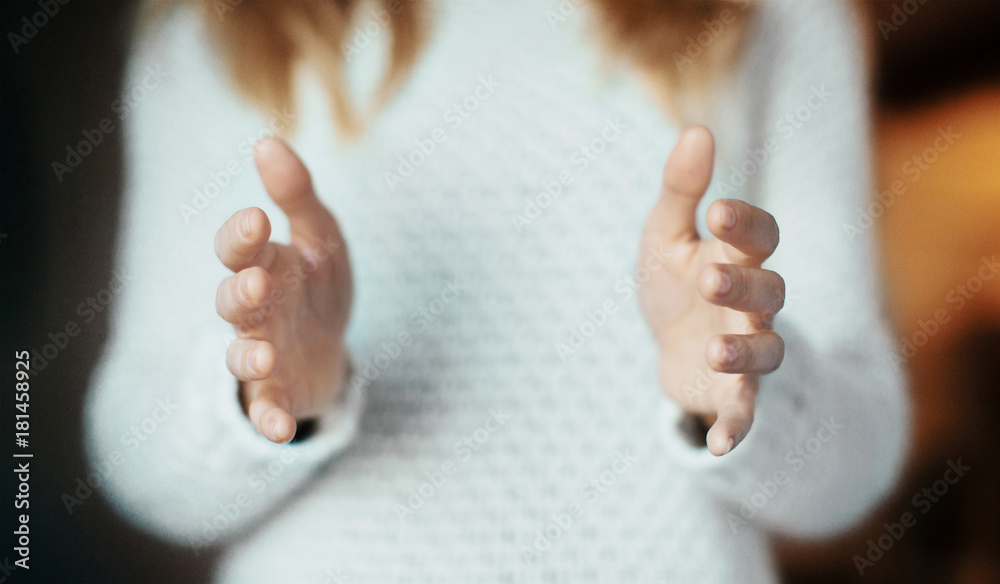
{"points": [[289, 303], [709, 303]]}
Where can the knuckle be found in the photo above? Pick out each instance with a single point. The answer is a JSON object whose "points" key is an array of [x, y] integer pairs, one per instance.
{"points": [[232, 358], [779, 350], [765, 231], [772, 352], [220, 299], [253, 288], [257, 225], [772, 244], [708, 280], [779, 293], [717, 210], [222, 243]]}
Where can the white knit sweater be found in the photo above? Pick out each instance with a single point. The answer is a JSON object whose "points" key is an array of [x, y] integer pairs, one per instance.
{"points": [[520, 434]]}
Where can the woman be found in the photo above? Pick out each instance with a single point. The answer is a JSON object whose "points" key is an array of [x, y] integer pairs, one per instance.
{"points": [[444, 305]]}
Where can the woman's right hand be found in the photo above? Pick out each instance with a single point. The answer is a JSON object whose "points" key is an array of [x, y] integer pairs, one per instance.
{"points": [[288, 303]]}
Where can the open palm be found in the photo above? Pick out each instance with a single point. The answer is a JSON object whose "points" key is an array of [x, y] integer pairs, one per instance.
{"points": [[288, 303], [709, 304]]}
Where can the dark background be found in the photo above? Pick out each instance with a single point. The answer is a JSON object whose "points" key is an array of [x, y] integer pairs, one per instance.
{"points": [[57, 242], [58, 251]]}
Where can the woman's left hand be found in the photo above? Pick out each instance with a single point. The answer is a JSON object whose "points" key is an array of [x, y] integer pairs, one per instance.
{"points": [[708, 302]]}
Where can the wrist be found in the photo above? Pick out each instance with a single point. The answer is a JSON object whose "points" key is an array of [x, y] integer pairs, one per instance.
{"points": [[331, 393], [342, 410]]}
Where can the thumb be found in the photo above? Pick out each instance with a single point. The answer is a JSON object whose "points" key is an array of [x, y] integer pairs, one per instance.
{"points": [[686, 177], [734, 414], [288, 183]]}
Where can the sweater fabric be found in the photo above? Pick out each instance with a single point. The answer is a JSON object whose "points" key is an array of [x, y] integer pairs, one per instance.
{"points": [[504, 421]]}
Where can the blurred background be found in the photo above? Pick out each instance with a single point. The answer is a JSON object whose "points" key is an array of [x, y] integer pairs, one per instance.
{"points": [[937, 70]]}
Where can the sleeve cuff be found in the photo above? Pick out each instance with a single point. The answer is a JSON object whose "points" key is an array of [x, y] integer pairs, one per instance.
{"points": [[338, 425], [334, 430]]}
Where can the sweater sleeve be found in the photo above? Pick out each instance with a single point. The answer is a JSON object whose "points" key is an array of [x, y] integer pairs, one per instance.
{"points": [[168, 442], [830, 428]]}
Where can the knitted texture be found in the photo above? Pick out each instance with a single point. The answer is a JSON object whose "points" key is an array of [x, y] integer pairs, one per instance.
{"points": [[504, 422]]}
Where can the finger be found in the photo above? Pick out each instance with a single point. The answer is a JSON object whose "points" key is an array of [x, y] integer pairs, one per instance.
{"points": [[288, 183], [686, 177], [751, 232], [756, 353], [735, 415], [744, 289], [251, 360], [242, 241], [268, 411], [242, 295]]}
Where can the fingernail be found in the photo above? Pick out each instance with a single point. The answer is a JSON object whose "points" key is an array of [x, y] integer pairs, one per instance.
{"points": [[732, 442], [728, 218], [252, 361], [274, 430], [728, 356], [725, 283], [245, 224]]}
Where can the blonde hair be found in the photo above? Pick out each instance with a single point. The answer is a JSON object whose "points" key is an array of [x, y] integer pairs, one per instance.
{"points": [[681, 46], [684, 48]]}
